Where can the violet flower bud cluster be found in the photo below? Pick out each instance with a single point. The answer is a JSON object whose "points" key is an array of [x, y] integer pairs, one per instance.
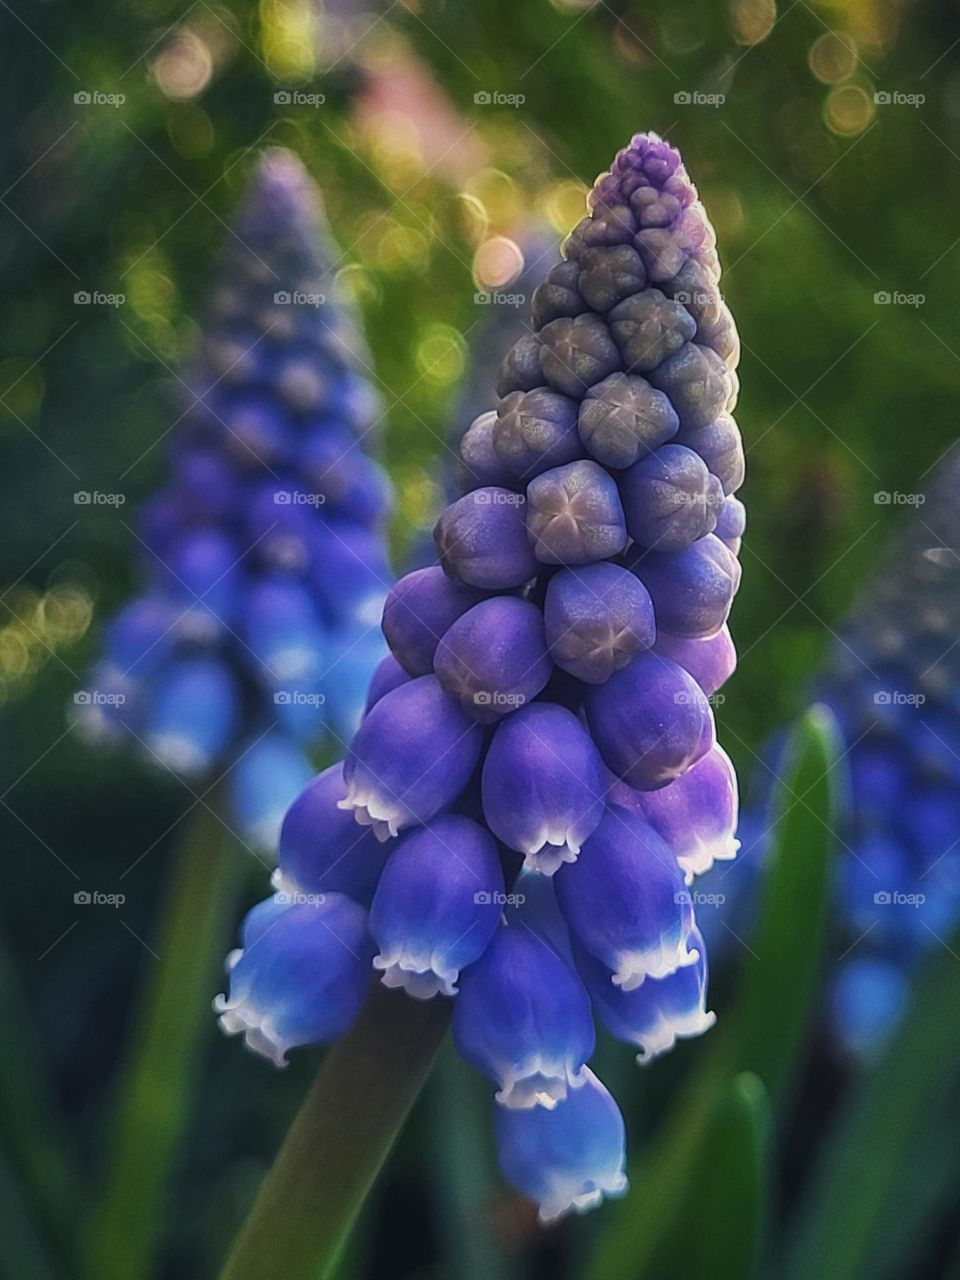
{"points": [[537, 774], [263, 555]]}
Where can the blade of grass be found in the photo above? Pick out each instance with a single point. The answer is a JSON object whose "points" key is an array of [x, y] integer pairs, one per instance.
{"points": [[339, 1140], [852, 1187], [782, 967], [731, 1193], [782, 971], [156, 1081]]}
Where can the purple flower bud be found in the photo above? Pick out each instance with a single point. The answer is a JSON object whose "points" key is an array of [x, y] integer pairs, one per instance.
{"points": [[437, 906], [300, 978], [568, 1158], [264, 782], [193, 713], [649, 328], [658, 1013], [609, 274], [558, 296], [670, 499], [520, 370], [732, 524], [720, 446], [205, 480], [494, 658], [576, 353], [419, 610], [322, 849], [711, 662], [622, 418], [542, 785], [574, 515], [598, 618], [625, 902], [352, 485], [411, 757], [388, 675], [482, 540], [651, 721], [609, 223], [696, 815], [523, 1019], [697, 382], [536, 430], [692, 590], [480, 464]]}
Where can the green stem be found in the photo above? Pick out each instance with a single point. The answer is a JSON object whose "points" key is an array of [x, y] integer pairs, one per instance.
{"points": [[339, 1140], [157, 1079]]}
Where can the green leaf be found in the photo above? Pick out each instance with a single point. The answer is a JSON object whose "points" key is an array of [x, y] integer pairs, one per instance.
{"points": [[730, 1195], [781, 969], [853, 1185], [156, 1084], [763, 1031], [339, 1140]]}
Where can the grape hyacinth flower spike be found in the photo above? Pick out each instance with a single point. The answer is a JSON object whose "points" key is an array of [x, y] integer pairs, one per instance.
{"points": [[542, 737], [891, 684], [264, 560]]}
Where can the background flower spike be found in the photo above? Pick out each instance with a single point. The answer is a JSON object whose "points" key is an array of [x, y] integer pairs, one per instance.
{"points": [[264, 559]]}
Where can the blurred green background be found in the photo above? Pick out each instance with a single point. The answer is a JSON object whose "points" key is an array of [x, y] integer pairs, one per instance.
{"points": [[825, 141]]}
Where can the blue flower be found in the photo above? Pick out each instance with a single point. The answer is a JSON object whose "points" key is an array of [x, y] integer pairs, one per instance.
{"points": [[265, 565], [548, 689]]}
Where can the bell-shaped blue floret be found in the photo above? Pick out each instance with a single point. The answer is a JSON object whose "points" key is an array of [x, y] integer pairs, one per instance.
{"points": [[284, 634], [494, 658], [574, 514], [267, 777], [523, 1019], [696, 815], [350, 572], [568, 1158], [322, 849], [412, 756], [204, 579], [598, 618], [625, 902], [193, 712], [651, 721], [300, 977], [436, 906], [658, 1013], [542, 785], [420, 608], [141, 637]]}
